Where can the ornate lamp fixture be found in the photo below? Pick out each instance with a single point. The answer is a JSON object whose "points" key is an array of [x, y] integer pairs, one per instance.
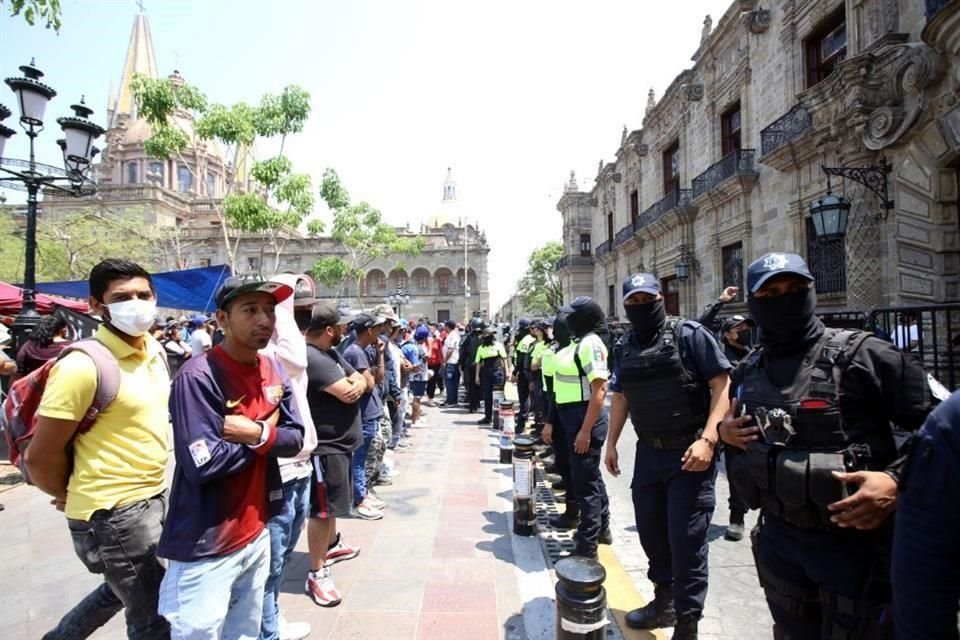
{"points": [[688, 262], [833, 210]]}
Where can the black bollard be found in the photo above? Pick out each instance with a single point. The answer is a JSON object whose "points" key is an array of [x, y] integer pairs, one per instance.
{"points": [[581, 599], [506, 431], [524, 511]]}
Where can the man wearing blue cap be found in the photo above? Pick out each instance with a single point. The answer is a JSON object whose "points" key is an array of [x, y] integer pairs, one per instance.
{"points": [[672, 379], [817, 408]]}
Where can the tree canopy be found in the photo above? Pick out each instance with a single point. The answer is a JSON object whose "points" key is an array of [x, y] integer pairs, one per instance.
{"points": [[47, 11], [362, 232], [540, 288]]}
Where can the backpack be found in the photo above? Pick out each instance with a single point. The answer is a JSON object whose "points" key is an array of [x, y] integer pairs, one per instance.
{"points": [[23, 400]]}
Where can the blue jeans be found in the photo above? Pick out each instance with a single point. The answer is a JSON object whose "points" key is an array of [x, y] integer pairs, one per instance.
{"points": [[219, 597], [359, 461], [284, 531], [119, 544], [451, 382]]}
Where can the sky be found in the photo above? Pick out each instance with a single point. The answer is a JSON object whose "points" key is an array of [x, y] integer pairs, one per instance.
{"points": [[511, 95]]}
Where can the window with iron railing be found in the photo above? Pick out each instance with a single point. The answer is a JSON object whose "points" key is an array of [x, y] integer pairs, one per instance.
{"points": [[826, 47], [730, 129], [671, 167], [586, 249], [732, 259], [827, 259]]}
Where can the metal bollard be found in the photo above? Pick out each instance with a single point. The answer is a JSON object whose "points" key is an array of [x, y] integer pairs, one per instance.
{"points": [[506, 431], [497, 401], [581, 599], [524, 503]]}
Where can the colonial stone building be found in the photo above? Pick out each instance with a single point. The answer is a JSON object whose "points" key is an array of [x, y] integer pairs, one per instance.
{"points": [[447, 280], [728, 161]]}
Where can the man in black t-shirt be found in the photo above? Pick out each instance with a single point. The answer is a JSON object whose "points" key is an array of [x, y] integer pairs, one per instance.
{"points": [[333, 390]]}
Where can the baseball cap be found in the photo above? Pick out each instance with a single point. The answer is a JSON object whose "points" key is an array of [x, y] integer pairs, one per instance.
{"points": [[450, 324], [363, 321], [578, 302], [733, 321], [303, 295], [198, 320], [640, 283], [422, 333], [385, 312], [324, 314], [775, 264], [235, 286]]}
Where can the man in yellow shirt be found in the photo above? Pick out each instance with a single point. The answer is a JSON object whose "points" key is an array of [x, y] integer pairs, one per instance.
{"points": [[109, 479]]}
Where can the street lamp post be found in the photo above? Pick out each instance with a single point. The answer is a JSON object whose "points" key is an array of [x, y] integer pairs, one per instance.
{"points": [[34, 177], [399, 298]]}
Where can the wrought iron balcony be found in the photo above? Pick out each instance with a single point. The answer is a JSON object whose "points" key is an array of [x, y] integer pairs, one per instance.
{"points": [[785, 129], [603, 248], [934, 6], [737, 162], [623, 235], [574, 261], [674, 199]]}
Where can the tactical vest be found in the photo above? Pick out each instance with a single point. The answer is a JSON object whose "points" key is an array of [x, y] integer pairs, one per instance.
{"points": [[668, 404], [804, 438]]}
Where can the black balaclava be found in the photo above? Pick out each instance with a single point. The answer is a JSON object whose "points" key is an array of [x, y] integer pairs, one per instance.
{"points": [[487, 340], [586, 317], [561, 332], [647, 319], [743, 337], [788, 323]]}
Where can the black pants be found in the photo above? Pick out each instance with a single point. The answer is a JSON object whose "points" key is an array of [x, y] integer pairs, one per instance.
{"points": [[490, 378], [523, 400], [473, 389], [436, 382], [586, 480], [537, 395], [738, 508], [562, 450]]}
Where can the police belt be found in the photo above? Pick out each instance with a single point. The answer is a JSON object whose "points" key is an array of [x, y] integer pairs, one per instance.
{"points": [[670, 441]]}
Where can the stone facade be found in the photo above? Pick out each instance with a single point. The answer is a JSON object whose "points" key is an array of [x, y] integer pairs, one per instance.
{"points": [[728, 161], [184, 195]]}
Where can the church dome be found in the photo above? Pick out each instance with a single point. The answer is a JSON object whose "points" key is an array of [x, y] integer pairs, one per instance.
{"points": [[451, 211], [136, 133]]}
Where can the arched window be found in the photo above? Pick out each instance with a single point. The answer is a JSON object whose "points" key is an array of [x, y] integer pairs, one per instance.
{"points": [[184, 178], [133, 172]]}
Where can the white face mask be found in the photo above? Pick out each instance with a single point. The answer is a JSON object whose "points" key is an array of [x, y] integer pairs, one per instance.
{"points": [[133, 317]]}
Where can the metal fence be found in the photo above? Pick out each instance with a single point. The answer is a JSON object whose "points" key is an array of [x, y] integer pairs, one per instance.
{"points": [[786, 128], [931, 332]]}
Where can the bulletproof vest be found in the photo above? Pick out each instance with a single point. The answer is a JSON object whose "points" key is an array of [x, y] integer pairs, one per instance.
{"points": [[804, 437], [665, 399]]}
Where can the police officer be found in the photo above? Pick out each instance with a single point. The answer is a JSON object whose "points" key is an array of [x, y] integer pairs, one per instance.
{"points": [[491, 369], [815, 409], [570, 518], [521, 370], [468, 355], [541, 334], [580, 389], [673, 380]]}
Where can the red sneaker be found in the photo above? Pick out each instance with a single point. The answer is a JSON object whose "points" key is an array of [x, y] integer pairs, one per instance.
{"points": [[339, 552], [321, 589]]}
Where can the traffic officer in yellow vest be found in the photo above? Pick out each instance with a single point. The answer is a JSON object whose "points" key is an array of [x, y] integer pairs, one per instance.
{"points": [[673, 379], [491, 369], [570, 518], [541, 333], [580, 388], [521, 371]]}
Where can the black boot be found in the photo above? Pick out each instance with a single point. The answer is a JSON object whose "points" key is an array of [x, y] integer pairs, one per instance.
{"points": [[686, 627], [569, 519], [734, 530], [656, 614], [606, 537]]}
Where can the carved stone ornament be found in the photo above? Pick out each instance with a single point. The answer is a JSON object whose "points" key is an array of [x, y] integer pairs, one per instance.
{"points": [[693, 92], [759, 21], [747, 5], [913, 72], [642, 149]]}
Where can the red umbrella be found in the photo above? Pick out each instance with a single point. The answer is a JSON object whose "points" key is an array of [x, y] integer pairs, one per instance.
{"points": [[11, 299]]}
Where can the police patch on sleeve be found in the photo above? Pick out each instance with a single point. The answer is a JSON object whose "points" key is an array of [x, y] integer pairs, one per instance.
{"points": [[199, 452]]}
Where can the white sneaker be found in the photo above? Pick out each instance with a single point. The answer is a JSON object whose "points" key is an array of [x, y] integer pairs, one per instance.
{"points": [[293, 630], [375, 501], [321, 589]]}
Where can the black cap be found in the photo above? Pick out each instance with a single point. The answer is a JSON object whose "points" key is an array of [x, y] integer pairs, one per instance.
{"points": [[325, 314], [733, 321], [450, 324], [775, 264], [235, 286], [640, 282], [363, 321], [578, 302]]}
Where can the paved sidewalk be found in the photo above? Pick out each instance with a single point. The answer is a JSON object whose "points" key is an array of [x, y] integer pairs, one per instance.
{"points": [[441, 564]]}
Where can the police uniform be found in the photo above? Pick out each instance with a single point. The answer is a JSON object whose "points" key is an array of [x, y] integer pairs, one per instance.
{"points": [[570, 518], [522, 370], [576, 366], [490, 359], [824, 399], [468, 355], [540, 346], [662, 369]]}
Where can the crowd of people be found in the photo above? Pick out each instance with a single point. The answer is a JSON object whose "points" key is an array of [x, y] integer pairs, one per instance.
{"points": [[285, 411]]}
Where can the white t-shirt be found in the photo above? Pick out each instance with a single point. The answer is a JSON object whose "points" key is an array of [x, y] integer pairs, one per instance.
{"points": [[452, 345], [200, 341]]}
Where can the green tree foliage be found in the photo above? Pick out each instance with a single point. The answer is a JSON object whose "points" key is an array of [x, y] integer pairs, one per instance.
{"points": [[281, 199], [362, 232], [46, 11], [540, 289]]}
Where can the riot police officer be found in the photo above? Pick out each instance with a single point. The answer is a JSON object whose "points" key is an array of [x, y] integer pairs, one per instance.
{"points": [[468, 354], [521, 370], [541, 334], [570, 518], [580, 389], [816, 406], [491, 369], [673, 380]]}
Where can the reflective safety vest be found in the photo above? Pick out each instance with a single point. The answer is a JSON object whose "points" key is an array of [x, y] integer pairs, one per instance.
{"points": [[489, 355], [548, 365], [536, 354], [576, 366]]}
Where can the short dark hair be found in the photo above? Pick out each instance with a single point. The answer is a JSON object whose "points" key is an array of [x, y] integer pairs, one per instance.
{"points": [[47, 330], [112, 269]]}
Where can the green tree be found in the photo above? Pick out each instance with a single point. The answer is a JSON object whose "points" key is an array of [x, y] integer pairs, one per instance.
{"points": [[540, 289], [48, 11], [362, 232], [280, 200]]}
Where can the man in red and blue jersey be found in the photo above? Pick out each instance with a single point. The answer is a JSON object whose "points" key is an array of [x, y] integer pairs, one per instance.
{"points": [[233, 415]]}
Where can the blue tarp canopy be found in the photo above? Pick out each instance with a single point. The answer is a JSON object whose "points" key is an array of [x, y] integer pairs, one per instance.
{"points": [[189, 289]]}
